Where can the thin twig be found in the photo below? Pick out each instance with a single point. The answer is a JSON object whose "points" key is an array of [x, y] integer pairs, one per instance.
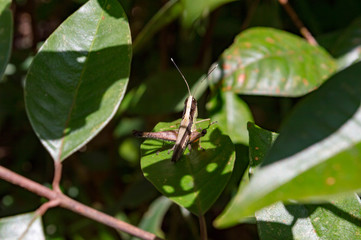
{"points": [[38, 213], [250, 13], [296, 20], [202, 227], [73, 205], [57, 176]]}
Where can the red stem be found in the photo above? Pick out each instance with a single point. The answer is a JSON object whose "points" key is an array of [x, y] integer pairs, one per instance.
{"points": [[296, 20], [68, 203]]}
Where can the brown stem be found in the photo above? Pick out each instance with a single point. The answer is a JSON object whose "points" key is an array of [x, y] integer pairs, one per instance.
{"points": [[296, 20], [73, 205], [203, 227], [57, 176], [250, 14], [40, 212]]}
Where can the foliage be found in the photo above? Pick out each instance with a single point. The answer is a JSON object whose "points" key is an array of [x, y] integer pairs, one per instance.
{"points": [[69, 79]]}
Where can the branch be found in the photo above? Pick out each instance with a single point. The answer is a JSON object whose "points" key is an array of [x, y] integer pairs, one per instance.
{"points": [[68, 203], [58, 167], [202, 227], [296, 20]]}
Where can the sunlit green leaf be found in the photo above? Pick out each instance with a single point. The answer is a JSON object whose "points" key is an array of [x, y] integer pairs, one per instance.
{"points": [[197, 179], [77, 80], [338, 219], [23, 225], [317, 152], [271, 62], [232, 115]]}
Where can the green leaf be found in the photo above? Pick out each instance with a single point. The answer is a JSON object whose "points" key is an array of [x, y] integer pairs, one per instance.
{"points": [[197, 179], [173, 92], [194, 10], [15, 226], [170, 11], [153, 218], [347, 45], [78, 79], [232, 115], [271, 62], [347, 40], [317, 152], [260, 141], [6, 34], [338, 219]]}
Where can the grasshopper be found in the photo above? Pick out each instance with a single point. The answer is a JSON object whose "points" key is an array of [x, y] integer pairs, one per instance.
{"points": [[187, 132]]}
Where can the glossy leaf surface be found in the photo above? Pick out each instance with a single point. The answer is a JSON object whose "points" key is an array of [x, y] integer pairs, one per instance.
{"points": [[197, 179], [316, 154], [338, 219], [265, 61], [15, 226], [232, 115], [77, 80]]}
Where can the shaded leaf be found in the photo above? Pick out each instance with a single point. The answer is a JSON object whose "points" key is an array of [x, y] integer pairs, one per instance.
{"points": [[170, 11], [338, 219], [347, 40], [77, 80], [21, 225], [153, 218], [271, 62], [199, 177], [194, 10], [173, 92], [260, 141], [6, 34], [232, 115], [317, 152]]}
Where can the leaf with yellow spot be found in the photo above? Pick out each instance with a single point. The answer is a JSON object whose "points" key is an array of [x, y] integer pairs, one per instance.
{"points": [[317, 153], [273, 63]]}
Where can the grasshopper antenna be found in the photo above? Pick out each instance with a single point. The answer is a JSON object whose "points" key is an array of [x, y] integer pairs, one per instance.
{"points": [[206, 77], [189, 91]]}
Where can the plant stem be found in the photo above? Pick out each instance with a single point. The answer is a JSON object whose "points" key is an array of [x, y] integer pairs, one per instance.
{"points": [[68, 203], [202, 227], [296, 20], [57, 176]]}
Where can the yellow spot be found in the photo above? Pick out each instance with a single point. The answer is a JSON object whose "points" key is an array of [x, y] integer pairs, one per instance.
{"points": [[226, 66], [270, 40], [330, 181], [248, 44], [227, 88], [305, 82]]}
